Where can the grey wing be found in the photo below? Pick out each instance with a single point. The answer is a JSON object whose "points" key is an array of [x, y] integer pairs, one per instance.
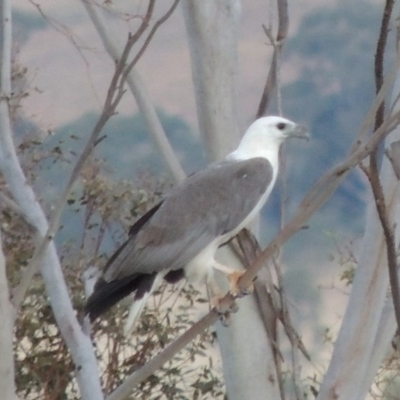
{"points": [[205, 206]]}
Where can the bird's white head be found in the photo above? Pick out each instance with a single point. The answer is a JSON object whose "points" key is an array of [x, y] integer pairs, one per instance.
{"points": [[264, 137]]}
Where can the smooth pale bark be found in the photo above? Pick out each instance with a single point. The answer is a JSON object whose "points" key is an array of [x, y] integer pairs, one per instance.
{"points": [[369, 324], [212, 27], [7, 371], [247, 359], [79, 344], [140, 93], [7, 376]]}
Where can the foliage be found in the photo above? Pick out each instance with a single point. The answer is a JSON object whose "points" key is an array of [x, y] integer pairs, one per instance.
{"points": [[105, 209], [100, 210]]}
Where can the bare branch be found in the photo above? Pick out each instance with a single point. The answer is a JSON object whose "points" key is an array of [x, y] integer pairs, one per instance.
{"points": [[139, 91], [150, 36], [19, 291], [79, 344], [150, 367], [295, 341], [12, 205], [277, 43], [114, 95], [373, 172], [318, 195], [393, 154], [379, 57], [311, 203]]}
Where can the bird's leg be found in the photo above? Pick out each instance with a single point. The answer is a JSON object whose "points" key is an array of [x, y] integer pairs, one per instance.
{"points": [[215, 295], [233, 276]]}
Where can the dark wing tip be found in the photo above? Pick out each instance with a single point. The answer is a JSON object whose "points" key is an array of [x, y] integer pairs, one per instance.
{"points": [[107, 294]]}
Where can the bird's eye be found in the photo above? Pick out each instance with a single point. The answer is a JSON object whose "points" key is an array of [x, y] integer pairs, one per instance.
{"points": [[281, 126]]}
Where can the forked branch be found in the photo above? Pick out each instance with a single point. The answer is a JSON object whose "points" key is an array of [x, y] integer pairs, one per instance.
{"points": [[114, 95], [372, 172]]}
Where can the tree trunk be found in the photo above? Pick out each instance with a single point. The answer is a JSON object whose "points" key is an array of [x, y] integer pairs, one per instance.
{"points": [[369, 323], [79, 344], [212, 27], [7, 376]]}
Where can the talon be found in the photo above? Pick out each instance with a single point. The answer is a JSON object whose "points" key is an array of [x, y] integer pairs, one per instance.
{"points": [[226, 319], [248, 290], [215, 303], [233, 278], [224, 316], [234, 287], [234, 308]]}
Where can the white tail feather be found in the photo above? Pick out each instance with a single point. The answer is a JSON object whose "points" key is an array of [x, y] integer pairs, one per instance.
{"points": [[137, 307]]}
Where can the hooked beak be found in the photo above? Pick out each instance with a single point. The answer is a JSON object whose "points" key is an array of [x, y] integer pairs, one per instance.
{"points": [[301, 132]]}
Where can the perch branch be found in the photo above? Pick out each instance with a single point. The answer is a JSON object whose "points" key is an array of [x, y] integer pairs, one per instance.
{"points": [[318, 195]]}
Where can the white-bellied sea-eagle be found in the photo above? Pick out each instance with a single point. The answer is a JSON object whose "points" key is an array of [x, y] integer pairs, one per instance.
{"points": [[180, 236]]}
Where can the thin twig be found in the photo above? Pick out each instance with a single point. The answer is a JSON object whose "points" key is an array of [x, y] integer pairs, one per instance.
{"points": [[320, 193], [291, 334], [317, 196], [160, 359], [114, 95], [277, 43], [274, 81], [380, 56], [13, 206], [150, 36], [373, 172], [247, 249], [141, 96]]}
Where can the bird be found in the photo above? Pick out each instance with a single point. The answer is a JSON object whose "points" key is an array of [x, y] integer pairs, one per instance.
{"points": [[180, 236]]}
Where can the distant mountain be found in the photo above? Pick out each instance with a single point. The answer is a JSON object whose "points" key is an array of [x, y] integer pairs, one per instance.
{"points": [[127, 146], [333, 54], [126, 152]]}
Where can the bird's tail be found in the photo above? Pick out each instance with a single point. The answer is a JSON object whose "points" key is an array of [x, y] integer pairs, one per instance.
{"points": [[138, 305], [107, 294]]}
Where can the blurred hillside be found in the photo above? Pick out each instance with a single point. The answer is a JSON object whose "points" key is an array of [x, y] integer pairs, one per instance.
{"points": [[330, 62]]}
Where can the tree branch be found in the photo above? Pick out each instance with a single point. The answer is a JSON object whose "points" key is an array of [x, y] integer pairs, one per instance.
{"points": [[150, 36], [318, 195], [388, 233], [160, 359], [373, 172], [114, 95], [141, 96], [295, 341], [380, 56], [12, 205], [277, 43], [79, 344]]}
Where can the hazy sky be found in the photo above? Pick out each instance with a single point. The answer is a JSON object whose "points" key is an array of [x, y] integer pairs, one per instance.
{"points": [[71, 79]]}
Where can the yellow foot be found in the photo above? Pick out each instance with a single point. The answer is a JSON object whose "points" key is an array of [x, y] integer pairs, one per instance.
{"points": [[224, 316], [235, 290]]}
